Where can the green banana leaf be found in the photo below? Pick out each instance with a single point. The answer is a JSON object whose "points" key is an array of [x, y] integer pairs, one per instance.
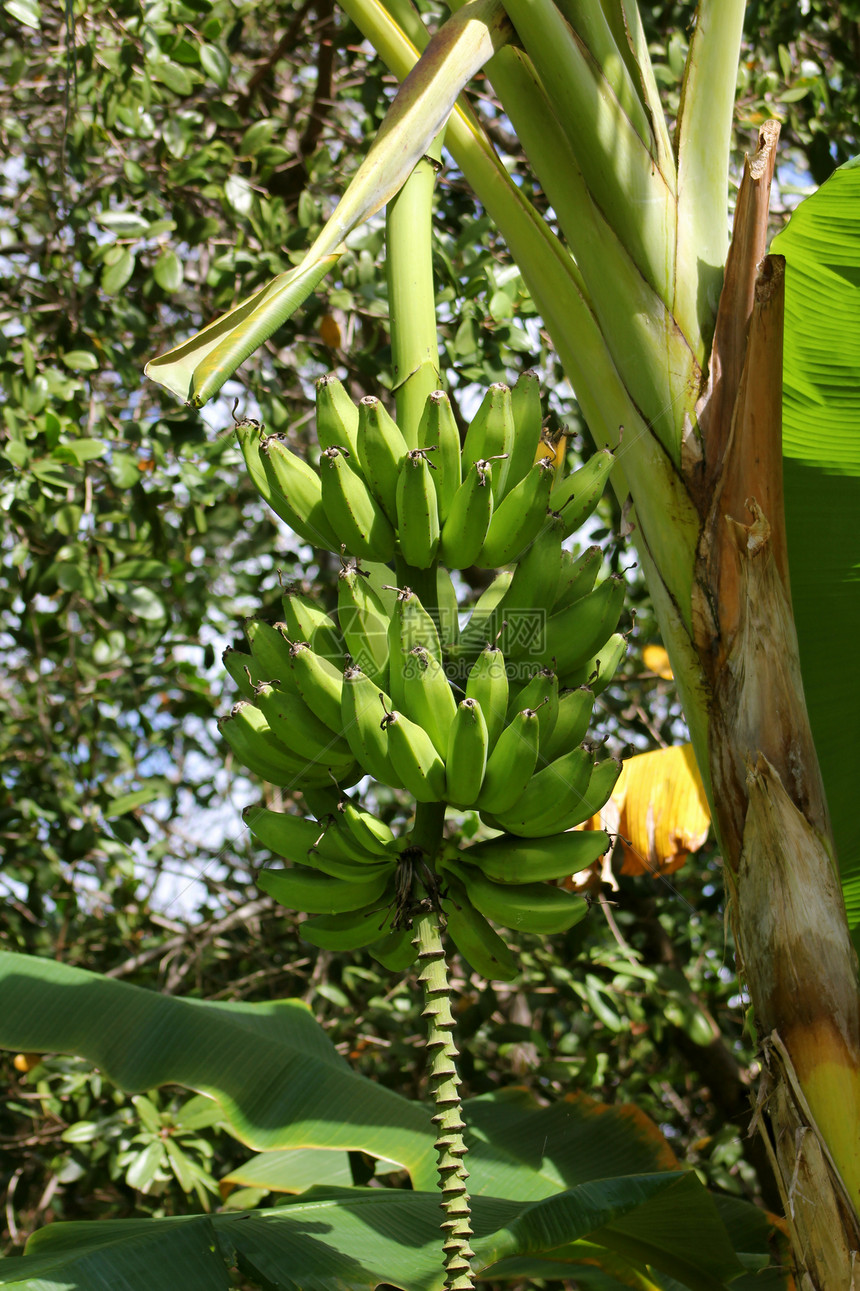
{"points": [[821, 461], [196, 369], [558, 1186], [269, 1066], [357, 1238]]}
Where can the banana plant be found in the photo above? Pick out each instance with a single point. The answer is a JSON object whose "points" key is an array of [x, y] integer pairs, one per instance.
{"points": [[671, 331]]}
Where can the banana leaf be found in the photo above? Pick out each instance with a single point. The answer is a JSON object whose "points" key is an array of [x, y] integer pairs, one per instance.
{"points": [[821, 462], [269, 1066], [348, 1238]]}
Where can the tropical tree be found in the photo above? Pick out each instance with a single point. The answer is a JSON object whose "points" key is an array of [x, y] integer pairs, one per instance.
{"points": [[666, 332], [583, 385]]}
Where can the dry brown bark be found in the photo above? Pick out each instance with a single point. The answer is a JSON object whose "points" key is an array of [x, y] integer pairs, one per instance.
{"points": [[794, 949]]}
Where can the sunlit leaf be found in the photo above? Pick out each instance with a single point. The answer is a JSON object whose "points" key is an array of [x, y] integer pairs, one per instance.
{"points": [[821, 465]]}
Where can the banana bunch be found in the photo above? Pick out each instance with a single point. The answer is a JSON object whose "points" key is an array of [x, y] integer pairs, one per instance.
{"points": [[489, 714], [483, 503], [361, 885]]}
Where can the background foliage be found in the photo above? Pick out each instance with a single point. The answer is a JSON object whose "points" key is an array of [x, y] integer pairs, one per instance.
{"points": [[162, 162]]}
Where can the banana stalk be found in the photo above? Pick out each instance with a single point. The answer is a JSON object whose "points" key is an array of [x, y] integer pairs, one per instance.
{"points": [[444, 1086]]}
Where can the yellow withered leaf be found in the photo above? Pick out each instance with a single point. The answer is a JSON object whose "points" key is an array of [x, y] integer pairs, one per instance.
{"points": [[659, 809], [656, 660], [663, 811]]}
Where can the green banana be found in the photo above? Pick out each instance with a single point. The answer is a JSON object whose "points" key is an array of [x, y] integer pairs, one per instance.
{"points": [[577, 632], [270, 650], [350, 931], [478, 943], [525, 907], [364, 623], [289, 836], [301, 731], [487, 682], [490, 435], [251, 739], [411, 751], [466, 760], [251, 440], [370, 833], [336, 415], [535, 581], [306, 620], [511, 764], [409, 626], [598, 672], [315, 893], [528, 418], [299, 490], [395, 951], [427, 697], [438, 429], [600, 785], [381, 452], [243, 669], [578, 495], [577, 577], [319, 682], [551, 797], [417, 510], [517, 860], [571, 722], [518, 518], [318, 844], [541, 694], [468, 518], [357, 518], [362, 714]]}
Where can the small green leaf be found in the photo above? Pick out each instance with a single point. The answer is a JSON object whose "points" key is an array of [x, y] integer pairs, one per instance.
{"points": [[116, 275], [17, 453], [501, 306], [795, 93], [28, 12], [143, 602], [172, 75], [168, 271], [81, 1132], [180, 1165], [140, 569], [239, 194], [130, 801], [215, 64], [28, 355], [80, 360], [123, 223], [256, 136], [81, 450], [150, 1117], [124, 471], [145, 1167]]}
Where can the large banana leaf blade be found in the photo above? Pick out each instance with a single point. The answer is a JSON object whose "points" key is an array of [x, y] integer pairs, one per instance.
{"points": [[821, 447], [353, 1239], [269, 1066]]}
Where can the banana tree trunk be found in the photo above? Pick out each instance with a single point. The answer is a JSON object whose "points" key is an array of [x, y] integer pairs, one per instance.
{"points": [[795, 955]]}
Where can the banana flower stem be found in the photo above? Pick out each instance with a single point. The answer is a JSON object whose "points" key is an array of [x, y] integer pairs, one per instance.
{"points": [[444, 1085]]}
